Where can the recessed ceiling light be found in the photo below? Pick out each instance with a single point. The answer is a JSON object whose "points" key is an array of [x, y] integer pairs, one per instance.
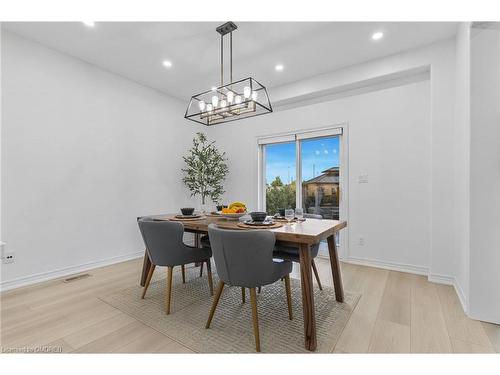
{"points": [[167, 63], [89, 23], [279, 67], [378, 35]]}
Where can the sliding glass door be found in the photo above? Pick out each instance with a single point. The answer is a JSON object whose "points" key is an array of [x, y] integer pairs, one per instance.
{"points": [[302, 170]]}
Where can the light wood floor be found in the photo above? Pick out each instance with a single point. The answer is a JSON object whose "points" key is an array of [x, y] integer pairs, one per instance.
{"points": [[397, 312]]}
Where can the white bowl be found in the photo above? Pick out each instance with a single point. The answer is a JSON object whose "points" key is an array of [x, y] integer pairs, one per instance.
{"points": [[234, 216]]}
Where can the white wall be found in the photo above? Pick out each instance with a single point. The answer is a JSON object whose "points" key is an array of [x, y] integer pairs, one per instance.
{"points": [[389, 139], [84, 152], [485, 175]]}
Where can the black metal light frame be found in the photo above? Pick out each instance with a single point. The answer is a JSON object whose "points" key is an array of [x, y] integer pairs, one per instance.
{"points": [[249, 107]]}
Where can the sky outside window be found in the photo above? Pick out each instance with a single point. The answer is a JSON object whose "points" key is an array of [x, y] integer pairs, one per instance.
{"points": [[317, 155], [280, 161]]}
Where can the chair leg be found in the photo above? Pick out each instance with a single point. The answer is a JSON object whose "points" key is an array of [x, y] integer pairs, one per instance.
{"points": [[183, 274], [316, 274], [148, 280], [260, 288], [243, 294], [218, 293], [201, 269], [168, 294], [288, 296], [253, 300], [209, 273]]}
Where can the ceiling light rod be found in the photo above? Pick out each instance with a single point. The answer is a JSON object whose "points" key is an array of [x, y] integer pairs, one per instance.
{"points": [[224, 29]]}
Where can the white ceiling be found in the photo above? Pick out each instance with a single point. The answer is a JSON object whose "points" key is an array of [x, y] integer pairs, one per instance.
{"points": [[136, 49]]}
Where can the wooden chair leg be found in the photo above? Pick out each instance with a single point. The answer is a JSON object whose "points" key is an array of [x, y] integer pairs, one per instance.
{"points": [[201, 269], [168, 294], [288, 296], [253, 300], [316, 274], [218, 293], [148, 280], [209, 273], [243, 294], [183, 274]]}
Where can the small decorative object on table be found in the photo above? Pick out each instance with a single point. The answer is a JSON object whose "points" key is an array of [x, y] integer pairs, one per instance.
{"points": [[187, 211], [235, 210], [258, 216]]}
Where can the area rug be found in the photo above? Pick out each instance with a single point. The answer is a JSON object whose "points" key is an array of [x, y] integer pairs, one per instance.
{"points": [[231, 330]]}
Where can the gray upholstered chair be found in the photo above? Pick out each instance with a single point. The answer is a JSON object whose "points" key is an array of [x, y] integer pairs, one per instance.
{"points": [[163, 240], [292, 253], [245, 259]]}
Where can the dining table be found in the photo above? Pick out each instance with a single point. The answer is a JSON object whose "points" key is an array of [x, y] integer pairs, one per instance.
{"points": [[300, 234]]}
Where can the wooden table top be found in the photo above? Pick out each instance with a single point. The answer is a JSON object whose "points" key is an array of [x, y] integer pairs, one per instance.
{"points": [[310, 231]]}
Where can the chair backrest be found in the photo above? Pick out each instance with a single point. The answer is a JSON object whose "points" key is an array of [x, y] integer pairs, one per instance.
{"points": [[163, 240], [242, 257], [313, 216]]}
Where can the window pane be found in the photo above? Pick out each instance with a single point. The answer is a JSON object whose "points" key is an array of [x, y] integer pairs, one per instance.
{"points": [[280, 176], [320, 176]]}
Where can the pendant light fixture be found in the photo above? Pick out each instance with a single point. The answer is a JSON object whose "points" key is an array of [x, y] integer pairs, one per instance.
{"points": [[232, 101]]}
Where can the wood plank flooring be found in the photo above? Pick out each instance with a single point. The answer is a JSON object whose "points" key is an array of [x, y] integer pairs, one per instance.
{"points": [[397, 313]]}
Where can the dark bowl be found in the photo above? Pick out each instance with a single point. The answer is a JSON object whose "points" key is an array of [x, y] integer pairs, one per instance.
{"points": [[258, 216], [187, 211], [282, 212], [221, 206]]}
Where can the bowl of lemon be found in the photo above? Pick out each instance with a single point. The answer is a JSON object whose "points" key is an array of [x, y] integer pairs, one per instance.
{"points": [[234, 211]]}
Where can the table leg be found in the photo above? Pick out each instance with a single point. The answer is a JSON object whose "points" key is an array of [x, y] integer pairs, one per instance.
{"points": [[335, 264], [307, 297], [146, 265]]}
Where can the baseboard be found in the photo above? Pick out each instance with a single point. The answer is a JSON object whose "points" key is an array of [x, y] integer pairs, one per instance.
{"points": [[392, 266], [46, 276], [441, 279], [461, 296]]}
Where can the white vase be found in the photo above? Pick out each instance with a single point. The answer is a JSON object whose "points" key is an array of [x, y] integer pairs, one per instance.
{"points": [[203, 208]]}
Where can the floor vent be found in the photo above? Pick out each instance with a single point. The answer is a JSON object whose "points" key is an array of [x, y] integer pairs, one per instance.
{"points": [[75, 278]]}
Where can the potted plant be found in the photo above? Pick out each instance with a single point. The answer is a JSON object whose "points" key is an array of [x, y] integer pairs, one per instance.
{"points": [[205, 170]]}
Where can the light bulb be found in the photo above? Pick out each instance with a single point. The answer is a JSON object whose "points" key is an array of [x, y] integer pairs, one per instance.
{"points": [[255, 95], [209, 108], [230, 97], [237, 99], [201, 104], [223, 103], [247, 92], [215, 100]]}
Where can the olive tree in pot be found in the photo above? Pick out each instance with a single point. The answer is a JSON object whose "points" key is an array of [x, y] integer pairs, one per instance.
{"points": [[205, 170]]}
